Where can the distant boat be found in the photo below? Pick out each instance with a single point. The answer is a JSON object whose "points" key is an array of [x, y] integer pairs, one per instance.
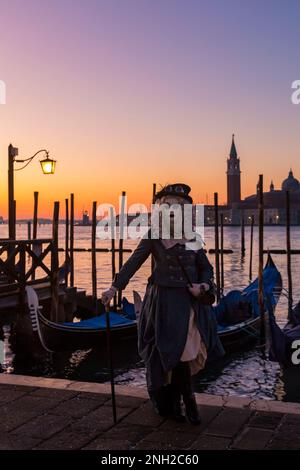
{"points": [[91, 333]]}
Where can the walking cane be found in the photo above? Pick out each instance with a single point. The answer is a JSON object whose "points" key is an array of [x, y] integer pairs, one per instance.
{"points": [[110, 359], [184, 272]]}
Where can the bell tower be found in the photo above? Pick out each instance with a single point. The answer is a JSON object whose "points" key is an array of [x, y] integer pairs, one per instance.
{"points": [[233, 176]]}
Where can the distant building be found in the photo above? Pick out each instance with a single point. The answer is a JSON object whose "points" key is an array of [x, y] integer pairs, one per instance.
{"points": [[85, 218], [233, 176], [237, 209]]}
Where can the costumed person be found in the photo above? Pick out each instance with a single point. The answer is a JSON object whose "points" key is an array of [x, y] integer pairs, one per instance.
{"points": [[177, 329]]}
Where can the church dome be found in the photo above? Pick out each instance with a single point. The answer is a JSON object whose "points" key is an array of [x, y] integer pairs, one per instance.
{"points": [[290, 183]]}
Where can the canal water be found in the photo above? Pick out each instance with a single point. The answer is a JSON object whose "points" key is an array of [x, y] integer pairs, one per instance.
{"points": [[246, 373]]}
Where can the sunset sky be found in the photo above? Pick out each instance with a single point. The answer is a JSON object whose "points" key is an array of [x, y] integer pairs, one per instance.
{"points": [[125, 93]]}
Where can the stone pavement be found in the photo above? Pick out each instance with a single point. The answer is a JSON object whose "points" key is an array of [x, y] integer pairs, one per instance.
{"points": [[53, 414]]}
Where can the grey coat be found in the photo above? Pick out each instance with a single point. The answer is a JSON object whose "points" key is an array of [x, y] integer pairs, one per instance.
{"points": [[164, 318]]}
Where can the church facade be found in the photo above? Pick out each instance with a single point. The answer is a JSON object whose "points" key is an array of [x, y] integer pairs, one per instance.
{"points": [[238, 209]]}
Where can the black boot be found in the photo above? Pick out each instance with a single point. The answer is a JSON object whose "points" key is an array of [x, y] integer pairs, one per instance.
{"points": [[161, 399], [176, 402], [191, 408]]}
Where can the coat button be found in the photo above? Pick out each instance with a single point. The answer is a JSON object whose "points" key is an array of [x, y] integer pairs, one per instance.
{"points": [[171, 277], [181, 278]]}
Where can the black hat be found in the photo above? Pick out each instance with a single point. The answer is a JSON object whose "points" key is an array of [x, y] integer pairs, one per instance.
{"points": [[176, 189]]}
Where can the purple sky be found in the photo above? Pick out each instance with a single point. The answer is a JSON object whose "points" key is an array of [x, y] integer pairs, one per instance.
{"points": [[130, 92]]}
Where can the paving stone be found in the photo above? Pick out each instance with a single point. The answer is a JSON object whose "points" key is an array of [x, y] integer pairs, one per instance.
{"points": [[11, 442], [279, 443], [206, 442], [7, 396], [127, 401], [43, 426], [132, 432], [10, 420], [17, 388], [288, 431], [145, 415], [76, 407], [175, 438], [207, 413], [149, 445], [265, 420], [228, 422], [101, 398], [36, 405], [54, 419], [98, 420], [291, 419], [65, 440], [253, 439], [59, 395], [108, 444]]}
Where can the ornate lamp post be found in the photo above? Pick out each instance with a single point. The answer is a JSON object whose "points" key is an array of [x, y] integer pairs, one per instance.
{"points": [[48, 168]]}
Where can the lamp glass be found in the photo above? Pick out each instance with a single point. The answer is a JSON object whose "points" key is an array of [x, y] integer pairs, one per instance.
{"points": [[48, 166]]}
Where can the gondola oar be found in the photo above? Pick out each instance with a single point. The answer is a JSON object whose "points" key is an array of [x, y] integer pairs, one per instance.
{"points": [[110, 359]]}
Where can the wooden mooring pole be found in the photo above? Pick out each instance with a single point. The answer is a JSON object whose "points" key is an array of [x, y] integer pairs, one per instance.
{"points": [[72, 240], [251, 248], [261, 259], [94, 265], [35, 222], [288, 251], [67, 257], [55, 263], [153, 202], [29, 230], [113, 251], [243, 249], [35, 213], [222, 251], [121, 239], [217, 258]]}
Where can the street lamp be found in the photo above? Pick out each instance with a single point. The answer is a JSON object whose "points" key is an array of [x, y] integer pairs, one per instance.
{"points": [[48, 167]]}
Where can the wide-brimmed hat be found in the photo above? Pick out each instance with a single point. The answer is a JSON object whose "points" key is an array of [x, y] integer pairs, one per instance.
{"points": [[176, 189]]}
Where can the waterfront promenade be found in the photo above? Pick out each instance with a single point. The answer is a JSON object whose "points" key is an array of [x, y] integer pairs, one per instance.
{"points": [[40, 413]]}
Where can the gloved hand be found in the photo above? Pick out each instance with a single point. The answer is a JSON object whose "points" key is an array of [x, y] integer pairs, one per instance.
{"points": [[198, 290], [107, 295]]}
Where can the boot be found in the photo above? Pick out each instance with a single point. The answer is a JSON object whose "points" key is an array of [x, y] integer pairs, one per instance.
{"points": [[176, 402], [188, 396], [161, 400]]}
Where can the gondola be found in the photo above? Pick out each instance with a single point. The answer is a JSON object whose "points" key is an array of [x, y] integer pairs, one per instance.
{"points": [[245, 303], [285, 342], [91, 333]]}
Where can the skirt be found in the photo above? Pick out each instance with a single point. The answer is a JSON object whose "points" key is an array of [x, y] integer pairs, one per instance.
{"points": [[174, 326]]}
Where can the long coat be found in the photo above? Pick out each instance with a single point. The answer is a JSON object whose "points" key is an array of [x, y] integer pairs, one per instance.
{"points": [[164, 319]]}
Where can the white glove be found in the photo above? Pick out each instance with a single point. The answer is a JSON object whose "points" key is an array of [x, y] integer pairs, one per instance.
{"points": [[107, 295]]}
